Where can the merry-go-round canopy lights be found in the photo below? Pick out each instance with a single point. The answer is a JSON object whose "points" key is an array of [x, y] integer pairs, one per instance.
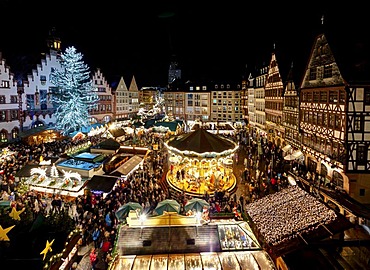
{"points": [[201, 143]]}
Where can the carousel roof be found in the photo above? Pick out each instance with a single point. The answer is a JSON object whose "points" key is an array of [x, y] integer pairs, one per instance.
{"points": [[201, 141]]}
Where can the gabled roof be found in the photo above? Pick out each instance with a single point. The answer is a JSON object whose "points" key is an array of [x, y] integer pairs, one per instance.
{"points": [[171, 125], [149, 123], [109, 144], [201, 141], [128, 166], [117, 132]]}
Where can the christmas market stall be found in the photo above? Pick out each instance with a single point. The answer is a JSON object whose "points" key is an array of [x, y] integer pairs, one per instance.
{"points": [[49, 180], [201, 162]]}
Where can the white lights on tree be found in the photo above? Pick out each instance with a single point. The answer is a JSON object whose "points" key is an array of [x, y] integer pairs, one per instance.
{"points": [[68, 176], [74, 94]]}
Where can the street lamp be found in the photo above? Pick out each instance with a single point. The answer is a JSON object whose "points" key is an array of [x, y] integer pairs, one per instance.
{"points": [[142, 219], [197, 217]]}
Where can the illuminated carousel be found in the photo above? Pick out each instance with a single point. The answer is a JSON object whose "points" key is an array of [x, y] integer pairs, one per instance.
{"points": [[201, 162]]}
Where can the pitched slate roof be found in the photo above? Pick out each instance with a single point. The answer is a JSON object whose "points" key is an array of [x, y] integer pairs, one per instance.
{"points": [[201, 141]]}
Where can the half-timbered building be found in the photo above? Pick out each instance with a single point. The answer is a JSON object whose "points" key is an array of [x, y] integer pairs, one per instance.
{"points": [[274, 102], [335, 115], [291, 114], [103, 111]]}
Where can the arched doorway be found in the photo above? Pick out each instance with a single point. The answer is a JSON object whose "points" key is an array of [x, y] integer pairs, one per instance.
{"points": [[337, 179], [4, 135], [323, 173], [15, 133], [312, 164]]}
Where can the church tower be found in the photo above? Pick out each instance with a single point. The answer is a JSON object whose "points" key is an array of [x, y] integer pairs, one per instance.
{"points": [[53, 41], [174, 72]]}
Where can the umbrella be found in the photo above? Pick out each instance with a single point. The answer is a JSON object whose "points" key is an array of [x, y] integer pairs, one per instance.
{"points": [[196, 204], [125, 209], [168, 205], [289, 157], [291, 180]]}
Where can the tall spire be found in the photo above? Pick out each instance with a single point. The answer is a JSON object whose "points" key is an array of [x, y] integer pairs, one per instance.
{"points": [[322, 20]]}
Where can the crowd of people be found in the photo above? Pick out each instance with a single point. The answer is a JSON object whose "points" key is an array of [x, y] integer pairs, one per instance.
{"points": [[95, 214], [283, 216]]}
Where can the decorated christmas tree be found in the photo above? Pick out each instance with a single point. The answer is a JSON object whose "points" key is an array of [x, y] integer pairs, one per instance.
{"points": [[74, 94]]}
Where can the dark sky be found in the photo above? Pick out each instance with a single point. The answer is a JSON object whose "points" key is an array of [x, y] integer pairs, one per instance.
{"points": [[211, 39]]}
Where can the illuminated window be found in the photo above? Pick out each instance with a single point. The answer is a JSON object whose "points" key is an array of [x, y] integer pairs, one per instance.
{"points": [[5, 84], [328, 71]]}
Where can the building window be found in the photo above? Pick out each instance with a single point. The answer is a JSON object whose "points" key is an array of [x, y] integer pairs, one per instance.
{"points": [[362, 192], [324, 171], [14, 99], [333, 96], [361, 155], [43, 79], [313, 73], [312, 165], [43, 99], [2, 116], [13, 114], [3, 136], [5, 84], [359, 123], [2, 99], [30, 101], [367, 95], [328, 71], [316, 96], [323, 96]]}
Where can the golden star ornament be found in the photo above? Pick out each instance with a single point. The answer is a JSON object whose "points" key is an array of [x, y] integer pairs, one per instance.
{"points": [[3, 232], [47, 248], [14, 214]]}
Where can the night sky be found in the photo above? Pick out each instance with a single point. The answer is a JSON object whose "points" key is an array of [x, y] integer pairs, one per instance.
{"points": [[211, 39]]}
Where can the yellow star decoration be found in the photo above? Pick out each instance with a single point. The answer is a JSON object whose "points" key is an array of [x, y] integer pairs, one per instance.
{"points": [[47, 248], [14, 214], [3, 232]]}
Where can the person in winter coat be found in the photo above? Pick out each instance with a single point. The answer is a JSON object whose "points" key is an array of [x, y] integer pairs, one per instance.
{"points": [[93, 258], [95, 236], [108, 220]]}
